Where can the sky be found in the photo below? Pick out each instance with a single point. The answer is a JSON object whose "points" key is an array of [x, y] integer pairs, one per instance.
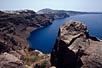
{"points": [[75, 5]]}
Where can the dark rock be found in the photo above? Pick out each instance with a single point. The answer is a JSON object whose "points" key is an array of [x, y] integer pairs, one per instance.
{"points": [[3, 48]]}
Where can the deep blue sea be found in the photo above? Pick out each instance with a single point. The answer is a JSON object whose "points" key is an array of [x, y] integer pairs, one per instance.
{"points": [[44, 39]]}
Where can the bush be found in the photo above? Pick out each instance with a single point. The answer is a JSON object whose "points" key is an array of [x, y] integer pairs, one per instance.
{"points": [[45, 64], [28, 60], [33, 58]]}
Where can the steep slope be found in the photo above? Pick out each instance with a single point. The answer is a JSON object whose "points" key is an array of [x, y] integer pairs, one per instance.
{"points": [[15, 27], [75, 48]]}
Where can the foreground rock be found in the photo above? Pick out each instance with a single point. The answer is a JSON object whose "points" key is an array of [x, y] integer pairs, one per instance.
{"points": [[75, 48], [10, 61]]}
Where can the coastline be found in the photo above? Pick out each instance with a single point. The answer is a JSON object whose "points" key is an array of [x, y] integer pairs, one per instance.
{"points": [[34, 31]]}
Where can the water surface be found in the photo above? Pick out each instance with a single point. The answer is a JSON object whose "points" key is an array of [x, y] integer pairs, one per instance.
{"points": [[44, 39]]}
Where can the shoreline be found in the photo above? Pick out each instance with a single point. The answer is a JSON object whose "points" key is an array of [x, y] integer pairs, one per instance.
{"points": [[34, 31]]}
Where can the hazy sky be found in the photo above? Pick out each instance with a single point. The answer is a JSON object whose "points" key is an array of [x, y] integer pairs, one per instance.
{"points": [[78, 5]]}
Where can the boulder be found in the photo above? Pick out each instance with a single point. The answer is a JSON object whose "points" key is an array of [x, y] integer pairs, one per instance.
{"points": [[10, 61]]}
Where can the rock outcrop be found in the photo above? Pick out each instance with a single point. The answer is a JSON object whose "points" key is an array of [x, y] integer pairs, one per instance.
{"points": [[75, 48]]}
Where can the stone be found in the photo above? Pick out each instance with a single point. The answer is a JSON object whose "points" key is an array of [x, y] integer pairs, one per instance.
{"points": [[10, 61]]}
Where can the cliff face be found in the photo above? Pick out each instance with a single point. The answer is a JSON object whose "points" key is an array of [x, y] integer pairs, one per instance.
{"points": [[15, 27], [75, 48]]}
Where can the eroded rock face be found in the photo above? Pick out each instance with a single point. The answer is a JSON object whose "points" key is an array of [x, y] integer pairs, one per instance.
{"points": [[75, 48]]}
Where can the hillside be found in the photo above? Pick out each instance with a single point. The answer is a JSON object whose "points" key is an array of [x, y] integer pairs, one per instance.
{"points": [[15, 27]]}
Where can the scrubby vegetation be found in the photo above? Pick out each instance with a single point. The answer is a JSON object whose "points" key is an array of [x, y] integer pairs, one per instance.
{"points": [[36, 59]]}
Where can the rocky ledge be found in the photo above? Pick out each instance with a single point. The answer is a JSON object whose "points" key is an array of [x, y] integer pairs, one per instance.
{"points": [[75, 48]]}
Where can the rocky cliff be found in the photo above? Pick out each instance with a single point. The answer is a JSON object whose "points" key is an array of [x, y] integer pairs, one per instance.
{"points": [[15, 27], [75, 48]]}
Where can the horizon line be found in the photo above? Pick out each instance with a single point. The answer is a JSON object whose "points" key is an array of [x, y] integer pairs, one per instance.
{"points": [[45, 8]]}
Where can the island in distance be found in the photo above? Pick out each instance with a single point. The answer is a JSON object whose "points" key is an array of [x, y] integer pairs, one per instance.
{"points": [[70, 13], [74, 47]]}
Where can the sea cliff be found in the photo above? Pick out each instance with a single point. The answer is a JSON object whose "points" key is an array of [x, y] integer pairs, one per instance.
{"points": [[15, 27], [75, 48]]}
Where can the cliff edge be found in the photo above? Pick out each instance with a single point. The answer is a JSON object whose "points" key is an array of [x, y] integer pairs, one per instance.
{"points": [[75, 48]]}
